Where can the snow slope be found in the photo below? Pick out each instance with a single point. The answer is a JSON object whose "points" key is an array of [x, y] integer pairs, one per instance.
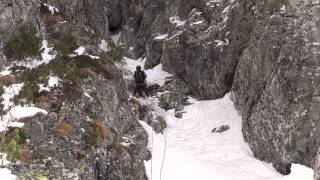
{"points": [[193, 152], [155, 75], [189, 151], [5, 174]]}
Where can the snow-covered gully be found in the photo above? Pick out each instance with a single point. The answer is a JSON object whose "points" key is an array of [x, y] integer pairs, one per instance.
{"points": [[188, 150]]}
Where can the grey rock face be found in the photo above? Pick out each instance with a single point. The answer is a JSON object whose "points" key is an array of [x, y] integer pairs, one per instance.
{"points": [[174, 95], [265, 52], [276, 86], [204, 52], [203, 44], [58, 153], [154, 54], [97, 16], [15, 13]]}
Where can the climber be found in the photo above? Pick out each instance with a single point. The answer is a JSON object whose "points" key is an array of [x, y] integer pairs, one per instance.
{"points": [[140, 79]]}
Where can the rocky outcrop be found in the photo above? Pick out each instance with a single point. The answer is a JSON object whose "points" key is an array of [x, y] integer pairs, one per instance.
{"points": [[204, 51], [15, 13], [276, 86], [98, 17], [265, 52], [198, 41], [89, 133]]}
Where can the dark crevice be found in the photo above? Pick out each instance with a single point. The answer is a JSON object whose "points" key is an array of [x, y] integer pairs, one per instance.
{"points": [[114, 29]]}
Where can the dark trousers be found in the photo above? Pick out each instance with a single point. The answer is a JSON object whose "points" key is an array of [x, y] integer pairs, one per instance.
{"points": [[140, 88]]}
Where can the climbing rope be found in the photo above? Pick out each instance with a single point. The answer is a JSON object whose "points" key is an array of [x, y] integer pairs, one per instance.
{"points": [[151, 150], [164, 153]]}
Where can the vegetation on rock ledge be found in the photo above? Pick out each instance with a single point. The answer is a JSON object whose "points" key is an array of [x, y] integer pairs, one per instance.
{"points": [[25, 43]]}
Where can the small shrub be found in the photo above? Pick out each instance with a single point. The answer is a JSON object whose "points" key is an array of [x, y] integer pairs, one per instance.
{"points": [[66, 43], [96, 133], [1, 90], [14, 140], [59, 67], [72, 90], [276, 4], [116, 53], [117, 149], [97, 66], [28, 93], [37, 75], [93, 137], [7, 80], [42, 102], [81, 153], [51, 20], [24, 154], [24, 43], [1, 99], [63, 129], [40, 177], [103, 130]]}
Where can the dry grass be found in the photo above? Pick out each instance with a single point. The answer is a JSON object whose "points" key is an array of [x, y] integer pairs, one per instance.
{"points": [[51, 20], [42, 102], [117, 150], [72, 90], [7, 80], [103, 130], [81, 153], [97, 132], [63, 129], [85, 72], [24, 154]]}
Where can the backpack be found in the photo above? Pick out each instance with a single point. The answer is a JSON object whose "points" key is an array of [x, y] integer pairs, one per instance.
{"points": [[140, 76]]}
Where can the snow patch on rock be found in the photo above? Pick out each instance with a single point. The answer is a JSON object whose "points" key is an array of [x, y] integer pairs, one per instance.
{"points": [[6, 174], [11, 118], [176, 20], [9, 93], [161, 37]]}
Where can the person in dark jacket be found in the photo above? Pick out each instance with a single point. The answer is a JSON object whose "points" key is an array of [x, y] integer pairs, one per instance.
{"points": [[140, 79]]}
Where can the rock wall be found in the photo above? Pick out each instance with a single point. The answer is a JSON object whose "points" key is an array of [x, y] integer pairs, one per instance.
{"points": [[15, 13], [60, 153], [276, 86], [91, 131], [265, 52]]}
